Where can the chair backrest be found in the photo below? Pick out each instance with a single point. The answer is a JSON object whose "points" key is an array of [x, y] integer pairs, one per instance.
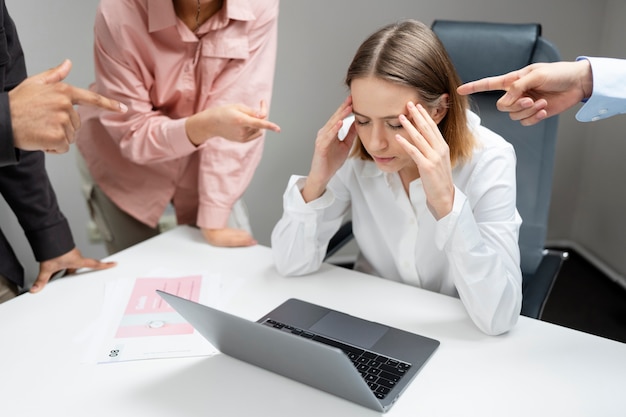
{"points": [[481, 49]]}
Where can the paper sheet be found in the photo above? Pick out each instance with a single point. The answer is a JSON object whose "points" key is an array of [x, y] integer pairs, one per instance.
{"points": [[136, 323]]}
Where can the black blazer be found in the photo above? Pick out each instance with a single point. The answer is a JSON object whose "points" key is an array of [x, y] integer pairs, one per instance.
{"points": [[24, 182]]}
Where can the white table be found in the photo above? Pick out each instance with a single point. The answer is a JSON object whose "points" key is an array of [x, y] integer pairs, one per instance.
{"points": [[537, 369]]}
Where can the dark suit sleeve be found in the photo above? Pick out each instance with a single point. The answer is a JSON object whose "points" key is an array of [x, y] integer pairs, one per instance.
{"points": [[8, 154], [24, 182], [27, 189]]}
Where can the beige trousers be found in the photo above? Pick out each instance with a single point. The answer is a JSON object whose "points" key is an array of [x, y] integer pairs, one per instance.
{"points": [[121, 230], [8, 289]]}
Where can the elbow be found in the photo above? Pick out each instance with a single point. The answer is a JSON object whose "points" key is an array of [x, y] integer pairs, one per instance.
{"points": [[293, 254], [498, 327], [288, 266], [502, 320], [283, 266]]}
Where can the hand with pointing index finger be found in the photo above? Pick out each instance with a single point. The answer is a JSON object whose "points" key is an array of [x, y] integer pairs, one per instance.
{"points": [[538, 91], [43, 116], [235, 122]]}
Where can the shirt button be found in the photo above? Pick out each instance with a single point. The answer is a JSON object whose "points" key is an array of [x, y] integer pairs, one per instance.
{"points": [[595, 118], [603, 111]]}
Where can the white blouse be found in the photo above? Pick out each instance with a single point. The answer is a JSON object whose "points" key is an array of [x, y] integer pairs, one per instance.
{"points": [[472, 253]]}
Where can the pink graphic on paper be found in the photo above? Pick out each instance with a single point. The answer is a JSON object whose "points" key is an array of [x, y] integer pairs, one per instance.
{"points": [[147, 314]]}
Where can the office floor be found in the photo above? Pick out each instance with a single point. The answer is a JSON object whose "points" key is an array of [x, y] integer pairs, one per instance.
{"points": [[585, 299]]}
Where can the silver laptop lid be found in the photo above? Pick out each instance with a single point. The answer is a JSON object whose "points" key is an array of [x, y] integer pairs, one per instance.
{"points": [[308, 362]]}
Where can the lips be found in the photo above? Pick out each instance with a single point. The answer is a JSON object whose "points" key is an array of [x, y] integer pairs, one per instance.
{"points": [[382, 160]]}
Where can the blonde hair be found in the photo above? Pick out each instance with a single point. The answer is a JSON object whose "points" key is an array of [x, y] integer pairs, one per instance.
{"points": [[409, 53]]}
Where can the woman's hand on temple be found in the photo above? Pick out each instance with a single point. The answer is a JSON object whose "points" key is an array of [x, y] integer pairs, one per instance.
{"points": [[431, 154], [330, 152]]}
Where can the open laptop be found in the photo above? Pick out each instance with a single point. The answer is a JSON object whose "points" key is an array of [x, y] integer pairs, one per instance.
{"points": [[364, 362]]}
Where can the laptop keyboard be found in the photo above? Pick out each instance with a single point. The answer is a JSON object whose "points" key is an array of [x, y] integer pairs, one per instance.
{"points": [[380, 372]]}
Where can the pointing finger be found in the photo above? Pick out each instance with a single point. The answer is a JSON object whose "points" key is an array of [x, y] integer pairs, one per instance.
{"points": [[256, 123], [484, 84], [82, 96]]}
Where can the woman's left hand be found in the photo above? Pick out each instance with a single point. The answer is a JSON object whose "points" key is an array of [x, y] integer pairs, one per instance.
{"points": [[228, 237], [431, 154]]}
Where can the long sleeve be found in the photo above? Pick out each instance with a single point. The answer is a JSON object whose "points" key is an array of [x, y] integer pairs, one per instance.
{"points": [[12, 72], [26, 188], [300, 238], [151, 131], [226, 167], [24, 182], [609, 90], [8, 154], [480, 238]]}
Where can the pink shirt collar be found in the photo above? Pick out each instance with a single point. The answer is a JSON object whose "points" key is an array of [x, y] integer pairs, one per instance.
{"points": [[161, 13]]}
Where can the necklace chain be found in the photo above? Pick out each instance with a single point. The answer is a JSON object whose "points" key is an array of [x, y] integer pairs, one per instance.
{"points": [[197, 17]]}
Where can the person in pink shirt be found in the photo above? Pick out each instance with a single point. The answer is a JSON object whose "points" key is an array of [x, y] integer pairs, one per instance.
{"points": [[197, 78]]}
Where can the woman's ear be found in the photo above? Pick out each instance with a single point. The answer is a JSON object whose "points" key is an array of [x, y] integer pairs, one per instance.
{"points": [[441, 108]]}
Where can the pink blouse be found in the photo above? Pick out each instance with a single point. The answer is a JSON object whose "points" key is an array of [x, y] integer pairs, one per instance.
{"points": [[148, 59]]}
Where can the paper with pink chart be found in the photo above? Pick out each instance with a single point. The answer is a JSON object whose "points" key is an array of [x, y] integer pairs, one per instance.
{"points": [[136, 323]]}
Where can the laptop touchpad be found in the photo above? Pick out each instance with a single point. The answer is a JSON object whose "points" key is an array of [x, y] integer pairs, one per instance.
{"points": [[349, 329]]}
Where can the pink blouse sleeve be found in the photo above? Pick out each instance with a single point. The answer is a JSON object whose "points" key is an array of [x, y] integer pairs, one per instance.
{"points": [[226, 168]]}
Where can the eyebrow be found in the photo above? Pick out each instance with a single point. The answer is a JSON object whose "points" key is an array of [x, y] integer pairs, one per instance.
{"points": [[384, 118]]}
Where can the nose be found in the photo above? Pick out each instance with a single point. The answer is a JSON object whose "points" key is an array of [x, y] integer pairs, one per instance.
{"points": [[378, 140]]}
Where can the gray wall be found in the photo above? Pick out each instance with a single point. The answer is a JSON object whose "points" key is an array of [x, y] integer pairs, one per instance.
{"points": [[316, 43]]}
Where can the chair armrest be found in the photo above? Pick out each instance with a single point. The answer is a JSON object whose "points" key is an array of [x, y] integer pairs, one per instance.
{"points": [[340, 239], [536, 287]]}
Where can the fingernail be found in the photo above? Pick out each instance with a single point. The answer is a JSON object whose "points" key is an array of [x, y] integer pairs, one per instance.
{"points": [[123, 107]]}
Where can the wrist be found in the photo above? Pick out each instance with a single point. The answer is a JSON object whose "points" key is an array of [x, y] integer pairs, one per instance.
{"points": [[196, 128], [586, 78], [312, 190]]}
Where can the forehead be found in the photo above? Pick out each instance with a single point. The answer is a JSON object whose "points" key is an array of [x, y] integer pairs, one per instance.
{"points": [[374, 97]]}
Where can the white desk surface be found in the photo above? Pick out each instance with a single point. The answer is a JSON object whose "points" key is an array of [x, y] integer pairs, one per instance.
{"points": [[537, 369]]}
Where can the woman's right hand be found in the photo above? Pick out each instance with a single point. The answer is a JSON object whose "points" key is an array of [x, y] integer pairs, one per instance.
{"points": [[330, 152], [235, 122]]}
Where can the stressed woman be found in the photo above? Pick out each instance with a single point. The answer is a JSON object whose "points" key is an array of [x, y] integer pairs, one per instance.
{"points": [[430, 191]]}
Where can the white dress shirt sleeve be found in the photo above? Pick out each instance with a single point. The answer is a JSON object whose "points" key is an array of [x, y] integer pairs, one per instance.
{"points": [[609, 90], [480, 239]]}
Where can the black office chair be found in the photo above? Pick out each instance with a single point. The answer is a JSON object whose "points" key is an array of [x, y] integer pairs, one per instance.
{"points": [[478, 50]]}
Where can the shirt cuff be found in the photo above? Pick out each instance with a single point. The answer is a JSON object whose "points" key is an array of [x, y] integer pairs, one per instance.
{"points": [[51, 242], [213, 217], [177, 138], [294, 203], [609, 95]]}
